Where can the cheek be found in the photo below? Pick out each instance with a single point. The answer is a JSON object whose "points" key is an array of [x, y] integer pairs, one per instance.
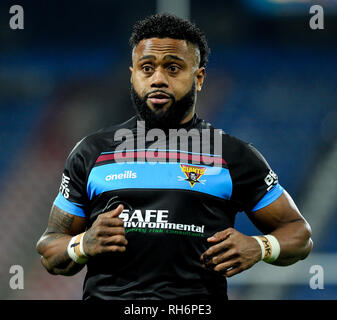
{"points": [[181, 88], [139, 85]]}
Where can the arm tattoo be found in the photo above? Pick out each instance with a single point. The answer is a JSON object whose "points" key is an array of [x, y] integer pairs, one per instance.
{"points": [[58, 227], [60, 221], [47, 239], [55, 257]]}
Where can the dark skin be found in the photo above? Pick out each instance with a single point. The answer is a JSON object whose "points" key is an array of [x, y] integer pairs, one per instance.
{"points": [[106, 235], [235, 251], [173, 65], [169, 65]]}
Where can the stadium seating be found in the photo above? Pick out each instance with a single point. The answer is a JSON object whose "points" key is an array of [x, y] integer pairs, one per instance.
{"points": [[280, 100]]}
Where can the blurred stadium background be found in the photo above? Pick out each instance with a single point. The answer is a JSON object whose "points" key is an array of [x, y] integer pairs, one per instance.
{"points": [[271, 80]]}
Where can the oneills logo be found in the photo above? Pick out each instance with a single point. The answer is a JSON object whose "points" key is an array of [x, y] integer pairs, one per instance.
{"points": [[192, 174]]}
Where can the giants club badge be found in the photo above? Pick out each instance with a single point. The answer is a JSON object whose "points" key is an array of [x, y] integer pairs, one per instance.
{"points": [[192, 174]]}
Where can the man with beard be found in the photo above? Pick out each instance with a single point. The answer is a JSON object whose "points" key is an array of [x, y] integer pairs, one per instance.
{"points": [[142, 230]]}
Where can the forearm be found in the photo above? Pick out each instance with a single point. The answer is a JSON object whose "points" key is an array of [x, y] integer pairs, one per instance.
{"points": [[53, 249], [295, 242]]}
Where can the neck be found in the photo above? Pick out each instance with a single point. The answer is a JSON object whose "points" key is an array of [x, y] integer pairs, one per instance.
{"points": [[188, 117]]}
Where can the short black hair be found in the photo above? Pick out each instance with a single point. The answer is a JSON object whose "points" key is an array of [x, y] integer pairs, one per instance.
{"points": [[166, 25]]}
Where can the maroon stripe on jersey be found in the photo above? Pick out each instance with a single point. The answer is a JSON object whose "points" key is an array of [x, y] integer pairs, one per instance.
{"points": [[157, 156]]}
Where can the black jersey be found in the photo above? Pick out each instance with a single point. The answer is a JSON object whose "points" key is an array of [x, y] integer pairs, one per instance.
{"points": [[175, 196]]}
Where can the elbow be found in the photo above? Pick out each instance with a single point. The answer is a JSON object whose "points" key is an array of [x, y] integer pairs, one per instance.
{"points": [[308, 243], [42, 244], [307, 249], [40, 248]]}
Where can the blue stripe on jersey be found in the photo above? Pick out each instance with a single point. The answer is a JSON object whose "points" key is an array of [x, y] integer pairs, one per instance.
{"points": [[157, 175], [68, 206], [273, 194]]}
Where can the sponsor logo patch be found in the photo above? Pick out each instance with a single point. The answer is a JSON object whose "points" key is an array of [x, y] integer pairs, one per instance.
{"points": [[120, 176], [157, 221], [271, 179], [64, 187], [192, 174]]}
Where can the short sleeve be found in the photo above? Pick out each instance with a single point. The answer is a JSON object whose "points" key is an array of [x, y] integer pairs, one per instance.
{"points": [[72, 196], [255, 184]]}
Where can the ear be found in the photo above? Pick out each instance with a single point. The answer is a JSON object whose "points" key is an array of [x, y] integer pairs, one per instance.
{"points": [[131, 72], [200, 74]]}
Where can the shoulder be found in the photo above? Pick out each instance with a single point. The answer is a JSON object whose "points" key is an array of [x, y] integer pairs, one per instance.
{"points": [[99, 138], [229, 142], [90, 146], [236, 151], [237, 146], [203, 124]]}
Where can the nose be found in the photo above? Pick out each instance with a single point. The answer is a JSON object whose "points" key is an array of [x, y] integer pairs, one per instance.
{"points": [[158, 80]]}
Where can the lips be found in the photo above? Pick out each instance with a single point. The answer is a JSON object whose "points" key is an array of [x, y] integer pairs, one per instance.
{"points": [[159, 98]]}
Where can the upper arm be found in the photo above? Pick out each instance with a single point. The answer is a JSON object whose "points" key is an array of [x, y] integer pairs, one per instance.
{"points": [[257, 191], [280, 212], [68, 213], [61, 225], [53, 243], [67, 216], [255, 184], [64, 222], [72, 197]]}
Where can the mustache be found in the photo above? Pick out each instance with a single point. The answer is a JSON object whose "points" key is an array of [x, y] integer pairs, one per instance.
{"points": [[172, 117], [159, 91]]}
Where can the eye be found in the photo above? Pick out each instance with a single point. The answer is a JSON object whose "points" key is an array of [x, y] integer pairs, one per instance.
{"points": [[147, 68], [173, 68]]}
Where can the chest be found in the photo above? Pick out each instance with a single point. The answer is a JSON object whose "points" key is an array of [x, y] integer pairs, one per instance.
{"points": [[163, 171]]}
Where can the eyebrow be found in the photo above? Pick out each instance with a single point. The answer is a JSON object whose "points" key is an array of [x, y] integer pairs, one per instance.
{"points": [[169, 56]]}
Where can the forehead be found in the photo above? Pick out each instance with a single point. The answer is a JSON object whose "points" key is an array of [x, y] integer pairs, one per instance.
{"points": [[161, 47]]}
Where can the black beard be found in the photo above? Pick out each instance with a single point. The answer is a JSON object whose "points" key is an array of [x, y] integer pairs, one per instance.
{"points": [[172, 117]]}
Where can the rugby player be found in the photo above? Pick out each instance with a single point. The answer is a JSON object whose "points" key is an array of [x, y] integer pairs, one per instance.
{"points": [[155, 228]]}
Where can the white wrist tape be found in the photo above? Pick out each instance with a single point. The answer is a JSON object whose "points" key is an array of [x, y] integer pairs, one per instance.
{"points": [[75, 249], [259, 241], [270, 247]]}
